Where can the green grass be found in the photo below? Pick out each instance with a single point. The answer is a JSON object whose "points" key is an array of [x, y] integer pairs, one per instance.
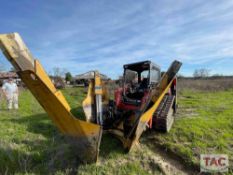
{"points": [[204, 124], [31, 144]]}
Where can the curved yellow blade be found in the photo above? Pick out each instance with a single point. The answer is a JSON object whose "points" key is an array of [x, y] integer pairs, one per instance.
{"points": [[87, 136]]}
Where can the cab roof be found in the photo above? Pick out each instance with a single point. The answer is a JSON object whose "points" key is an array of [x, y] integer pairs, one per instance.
{"points": [[141, 66]]}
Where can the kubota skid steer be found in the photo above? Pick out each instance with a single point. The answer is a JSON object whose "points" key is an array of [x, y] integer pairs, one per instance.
{"points": [[145, 100]]}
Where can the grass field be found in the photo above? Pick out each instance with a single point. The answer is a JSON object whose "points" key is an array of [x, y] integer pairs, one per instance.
{"points": [[29, 143], [204, 124]]}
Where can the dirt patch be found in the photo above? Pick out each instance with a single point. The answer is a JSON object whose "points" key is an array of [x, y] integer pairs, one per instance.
{"points": [[154, 160], [168, 162]]}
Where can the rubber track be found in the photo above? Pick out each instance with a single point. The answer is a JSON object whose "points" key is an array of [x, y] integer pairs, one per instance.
{"points": [[161, 114]]}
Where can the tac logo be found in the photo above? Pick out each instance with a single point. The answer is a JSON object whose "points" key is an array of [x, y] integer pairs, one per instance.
{"points": [[214, 163]]}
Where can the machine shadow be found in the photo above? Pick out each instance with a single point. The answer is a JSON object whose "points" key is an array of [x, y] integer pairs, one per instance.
{"points": [[109, 145], [52, 150], [39, 161]]}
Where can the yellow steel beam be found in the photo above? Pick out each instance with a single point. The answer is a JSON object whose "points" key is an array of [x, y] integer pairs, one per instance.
{"points": [[87, 135]]}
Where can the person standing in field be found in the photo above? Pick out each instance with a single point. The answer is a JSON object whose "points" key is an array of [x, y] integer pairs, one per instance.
{"points": [[10, 90]]}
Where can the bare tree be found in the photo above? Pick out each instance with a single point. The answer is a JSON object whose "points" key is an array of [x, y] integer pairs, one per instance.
{"points": [[201, 73], [58, 75], [59, 72]]}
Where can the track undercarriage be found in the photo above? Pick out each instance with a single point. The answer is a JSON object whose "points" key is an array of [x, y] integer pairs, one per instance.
{"points": [[163, 118]]}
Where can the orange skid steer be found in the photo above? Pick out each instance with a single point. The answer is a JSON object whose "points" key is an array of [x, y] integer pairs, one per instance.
{"points": [[145, 100]]}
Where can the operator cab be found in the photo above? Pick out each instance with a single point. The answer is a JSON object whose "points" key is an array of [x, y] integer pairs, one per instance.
{"points": [[138, 79]]}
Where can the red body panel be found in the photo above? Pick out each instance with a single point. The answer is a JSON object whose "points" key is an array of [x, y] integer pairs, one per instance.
{"points": [[122, 106]]}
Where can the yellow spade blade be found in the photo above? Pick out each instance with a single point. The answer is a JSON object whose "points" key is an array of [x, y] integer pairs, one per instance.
{"points": [[87, 136]]}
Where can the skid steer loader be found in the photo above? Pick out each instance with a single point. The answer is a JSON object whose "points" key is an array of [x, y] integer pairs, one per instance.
{"points": [[145, 100]]}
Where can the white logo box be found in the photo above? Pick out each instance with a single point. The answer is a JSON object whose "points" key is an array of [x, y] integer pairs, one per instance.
{"points": [[214, 163]]}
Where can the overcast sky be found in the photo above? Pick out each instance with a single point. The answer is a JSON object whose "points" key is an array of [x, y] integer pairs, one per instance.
{"points": [[103, 35]]}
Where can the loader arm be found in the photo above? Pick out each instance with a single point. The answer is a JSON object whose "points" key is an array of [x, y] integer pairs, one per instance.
{"points": [[86, 135]]}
